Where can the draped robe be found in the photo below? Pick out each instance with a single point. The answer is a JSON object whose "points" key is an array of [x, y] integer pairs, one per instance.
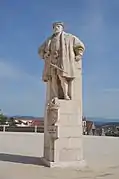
{"points": [[70, 48]]}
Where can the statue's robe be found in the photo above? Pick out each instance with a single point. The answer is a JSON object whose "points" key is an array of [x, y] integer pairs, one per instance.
{"points": [[70, 47]]}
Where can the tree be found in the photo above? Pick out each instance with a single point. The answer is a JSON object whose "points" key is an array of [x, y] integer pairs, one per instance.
{"points": [[12, 122], [3, 119]]}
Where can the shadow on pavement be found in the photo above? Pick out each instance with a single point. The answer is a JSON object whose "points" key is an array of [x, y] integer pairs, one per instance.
{"points": [[21, 159]]}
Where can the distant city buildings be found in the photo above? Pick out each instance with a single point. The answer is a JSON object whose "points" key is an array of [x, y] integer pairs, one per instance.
{"points": [[32, 124], [89, 127]]}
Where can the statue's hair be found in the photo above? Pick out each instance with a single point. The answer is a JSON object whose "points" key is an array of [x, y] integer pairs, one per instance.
{"points": [[58, 23]]}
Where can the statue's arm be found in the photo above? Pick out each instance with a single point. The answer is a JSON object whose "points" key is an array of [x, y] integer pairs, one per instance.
{"points": [[41, 50], [79, 48]]}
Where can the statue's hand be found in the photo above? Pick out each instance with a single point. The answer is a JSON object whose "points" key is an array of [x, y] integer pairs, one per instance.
{"points": [[78, 58], [56, 54], [46, 55]]}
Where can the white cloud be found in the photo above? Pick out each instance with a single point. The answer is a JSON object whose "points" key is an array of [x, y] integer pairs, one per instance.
{"points": [[7, 70], [12, 72], [111, 90], [20, 93]]}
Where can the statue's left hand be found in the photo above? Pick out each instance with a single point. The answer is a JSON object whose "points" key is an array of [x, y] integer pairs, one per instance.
{"points": [[56, 54], [78, 58]]}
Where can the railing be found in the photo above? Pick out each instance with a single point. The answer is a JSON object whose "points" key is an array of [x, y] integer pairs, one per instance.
{"points": [[36, 129]]}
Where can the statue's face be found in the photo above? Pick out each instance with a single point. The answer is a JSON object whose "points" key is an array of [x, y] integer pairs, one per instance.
{"points": [[57, 28]]}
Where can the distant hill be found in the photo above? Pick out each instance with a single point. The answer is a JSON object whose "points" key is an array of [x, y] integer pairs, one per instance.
{"points": [[27, 117], [98, 121], [103, 121]]}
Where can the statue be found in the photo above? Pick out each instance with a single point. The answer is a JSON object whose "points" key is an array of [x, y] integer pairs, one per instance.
{"points": [[60, 52]]}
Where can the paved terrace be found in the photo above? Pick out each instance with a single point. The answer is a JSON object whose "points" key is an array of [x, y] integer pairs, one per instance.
{"points": [[20, 155]]}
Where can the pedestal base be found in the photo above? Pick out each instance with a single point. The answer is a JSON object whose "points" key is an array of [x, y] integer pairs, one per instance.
{"points": [[63, 146], [74, 164]]}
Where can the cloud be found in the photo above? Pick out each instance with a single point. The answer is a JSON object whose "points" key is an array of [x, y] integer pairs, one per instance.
{"points": [[20, 92], [111, 90], [7, 71], [12, 72]]}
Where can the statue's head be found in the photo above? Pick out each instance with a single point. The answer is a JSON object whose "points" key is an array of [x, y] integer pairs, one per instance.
{"points": [[58, 27]]}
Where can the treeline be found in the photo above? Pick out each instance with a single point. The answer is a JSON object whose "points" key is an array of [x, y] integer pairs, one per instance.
{"points": [[4, 120]]}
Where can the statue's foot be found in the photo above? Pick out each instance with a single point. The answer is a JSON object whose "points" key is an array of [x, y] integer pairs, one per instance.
{"points": [[66, 97]]}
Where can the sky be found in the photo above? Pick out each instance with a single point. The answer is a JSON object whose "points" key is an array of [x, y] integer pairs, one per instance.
{"points": [[24, 25]]}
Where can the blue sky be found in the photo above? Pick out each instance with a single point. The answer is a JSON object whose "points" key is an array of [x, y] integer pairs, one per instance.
{"points": [[23, 27]]}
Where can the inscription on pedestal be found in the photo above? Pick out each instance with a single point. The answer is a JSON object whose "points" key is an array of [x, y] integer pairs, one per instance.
{"points": [[53, 131]]}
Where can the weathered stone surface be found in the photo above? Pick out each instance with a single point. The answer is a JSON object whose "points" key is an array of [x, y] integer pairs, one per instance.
{"points": [[70, 131], [70, 107], [70, 120], [69, 143], [70, 155]]}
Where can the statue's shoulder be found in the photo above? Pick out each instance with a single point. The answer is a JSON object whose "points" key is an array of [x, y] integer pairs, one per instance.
{"points": [[69, 35]]}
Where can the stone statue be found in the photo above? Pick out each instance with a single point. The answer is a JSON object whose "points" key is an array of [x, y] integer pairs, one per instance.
{"points": [[60, 52]]}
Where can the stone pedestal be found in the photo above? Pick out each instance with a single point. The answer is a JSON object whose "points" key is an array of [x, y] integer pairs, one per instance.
{"points": [[63, 131], [63, 128], [63, 148]]}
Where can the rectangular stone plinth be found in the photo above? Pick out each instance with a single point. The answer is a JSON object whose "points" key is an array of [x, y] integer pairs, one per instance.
{"points": [[68, 131], [70, 107], [70, 155], [65, 149], [70, 119], [74, 164], [69, 143]]}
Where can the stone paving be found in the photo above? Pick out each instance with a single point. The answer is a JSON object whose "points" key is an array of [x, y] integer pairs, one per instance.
{"points": [[24, 171], [21, 159]]}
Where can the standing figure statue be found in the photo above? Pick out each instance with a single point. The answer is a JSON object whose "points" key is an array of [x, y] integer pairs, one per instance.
{"points": [[60, 52]]}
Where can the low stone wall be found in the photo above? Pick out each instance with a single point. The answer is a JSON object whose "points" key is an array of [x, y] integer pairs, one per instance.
{"points": [[99, 151], [28, 144]]}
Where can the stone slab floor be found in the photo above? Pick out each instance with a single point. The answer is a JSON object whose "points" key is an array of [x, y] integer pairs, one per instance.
{"points": [[24, 171], [22, 160]]}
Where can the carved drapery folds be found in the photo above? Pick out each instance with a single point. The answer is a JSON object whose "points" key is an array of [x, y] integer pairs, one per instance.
{"points": [[52, 110], [52, 117]]}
